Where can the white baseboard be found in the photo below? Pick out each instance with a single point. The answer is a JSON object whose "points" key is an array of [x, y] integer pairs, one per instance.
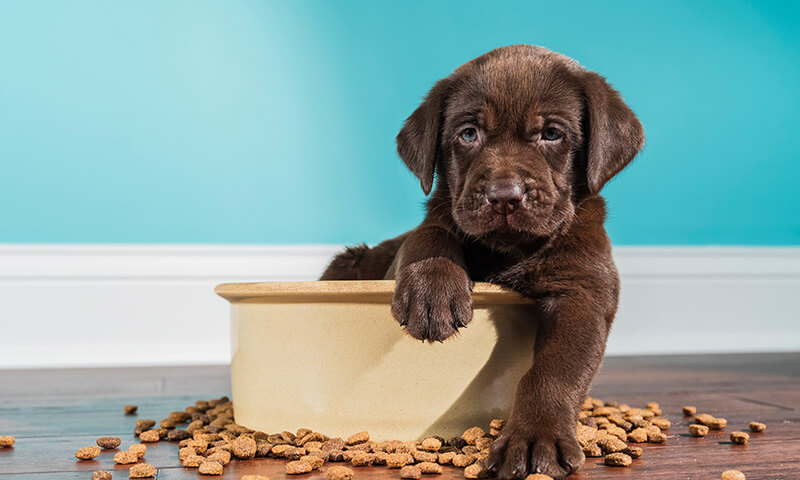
{"points": [[94, 305]]}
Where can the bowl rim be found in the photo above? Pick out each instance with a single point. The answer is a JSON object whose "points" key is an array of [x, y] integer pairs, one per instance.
{"points": [[347, 291]]}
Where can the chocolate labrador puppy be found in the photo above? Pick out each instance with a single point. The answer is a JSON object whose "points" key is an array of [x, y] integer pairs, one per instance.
{"points": [[522, 140]]}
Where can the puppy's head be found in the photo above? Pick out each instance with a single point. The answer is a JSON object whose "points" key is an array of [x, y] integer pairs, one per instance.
{"points": [[518, 137]]}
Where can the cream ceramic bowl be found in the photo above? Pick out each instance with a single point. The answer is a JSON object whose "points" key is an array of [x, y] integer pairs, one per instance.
{"points": [[330, 357]]}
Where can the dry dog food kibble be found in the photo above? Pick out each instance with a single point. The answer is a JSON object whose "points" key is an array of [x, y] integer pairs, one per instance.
{"points": [[138, 449], [130, 409], [210, 468], [618, 460], [339, 473], [108, 442], [689, 411], [711, 422], [732, 475], [87, 453], [431, 444], [150, 436], [6, 441], [474, 471], [213, 437], [357, 438], [739, 438], [412, 472], [125, 458], [244, 447], [697, 430], [142, 470], [297, 467], [430, 467], [754, 427], [220, 456], [101, 475]]}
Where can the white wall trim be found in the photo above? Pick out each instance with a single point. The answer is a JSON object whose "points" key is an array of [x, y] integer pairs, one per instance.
{"points": [[86, 305]]}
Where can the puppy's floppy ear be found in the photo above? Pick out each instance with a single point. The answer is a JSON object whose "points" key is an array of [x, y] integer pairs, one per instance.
{"points": [[418, 140], [614, 134]]}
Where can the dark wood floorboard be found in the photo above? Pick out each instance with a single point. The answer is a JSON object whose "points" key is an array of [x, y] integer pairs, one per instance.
{"points": [[52, 413]]}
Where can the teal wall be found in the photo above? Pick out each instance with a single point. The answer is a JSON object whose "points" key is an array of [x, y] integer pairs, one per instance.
{"points": [[168, 121]]}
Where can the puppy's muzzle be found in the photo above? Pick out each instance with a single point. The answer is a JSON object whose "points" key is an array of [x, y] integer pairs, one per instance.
{"points": [[505, 195]]}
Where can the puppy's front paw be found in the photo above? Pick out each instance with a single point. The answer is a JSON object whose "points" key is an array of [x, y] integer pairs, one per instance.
{"points": [[432, 299], [522, 449]]}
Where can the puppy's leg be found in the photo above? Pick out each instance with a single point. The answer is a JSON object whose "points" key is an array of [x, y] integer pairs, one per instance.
{"points": [[540, 434], [364, 263], [432, 299]]}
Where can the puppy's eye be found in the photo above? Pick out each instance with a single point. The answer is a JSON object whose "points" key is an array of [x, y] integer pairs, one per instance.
{"points": [[551, 134], [469, 135]]}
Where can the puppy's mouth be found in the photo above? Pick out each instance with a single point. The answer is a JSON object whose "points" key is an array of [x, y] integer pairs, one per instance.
{"points": [[484, 222]]}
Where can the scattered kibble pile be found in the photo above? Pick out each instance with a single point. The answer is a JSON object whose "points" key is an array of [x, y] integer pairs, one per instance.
{"points": [[212, 439]]}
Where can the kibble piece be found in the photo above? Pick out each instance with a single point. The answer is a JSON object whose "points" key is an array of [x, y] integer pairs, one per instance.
{"points": [[711, 422], [661, 423], [130, 409], [150, 436], [739, 438], [244, 447], [617, 460], [145, 423], [754, 427], [396, 460], [422, 456], [142, 470], [689, 411], [611, 444], [463, 460], [101, 475], [475, 470], [446, 458], [592, 450], [357, 438], [697, 430], [125, 458], [108, 442], [178, 435], [138, 449], [656, 437], [6, 441], [220, 456], [633, 451], [167, 423], [538, 476], [430, 467], [410, 472], [473, 434], [339, 473], [87, 453], [210, 468], [638, 435], [718, 424], [431, 444], [314, 460], [732, 475], [192, 461], [362, 459], [297, 467]]}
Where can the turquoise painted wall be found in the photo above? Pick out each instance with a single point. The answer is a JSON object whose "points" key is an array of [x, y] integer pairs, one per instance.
{"points": [[274, 122]]}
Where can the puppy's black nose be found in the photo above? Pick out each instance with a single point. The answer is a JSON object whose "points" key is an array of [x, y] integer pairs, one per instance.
{"points": [[505, 195]]}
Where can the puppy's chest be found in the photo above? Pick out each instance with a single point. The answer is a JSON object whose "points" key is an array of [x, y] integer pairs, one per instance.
{"points": [[483, 263]]}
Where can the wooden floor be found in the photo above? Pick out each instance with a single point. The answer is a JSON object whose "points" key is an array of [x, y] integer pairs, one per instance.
{"points": [[52, 413]]}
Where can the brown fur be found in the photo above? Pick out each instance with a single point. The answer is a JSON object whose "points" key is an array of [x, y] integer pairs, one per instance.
{"points": [[518, 206]]}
